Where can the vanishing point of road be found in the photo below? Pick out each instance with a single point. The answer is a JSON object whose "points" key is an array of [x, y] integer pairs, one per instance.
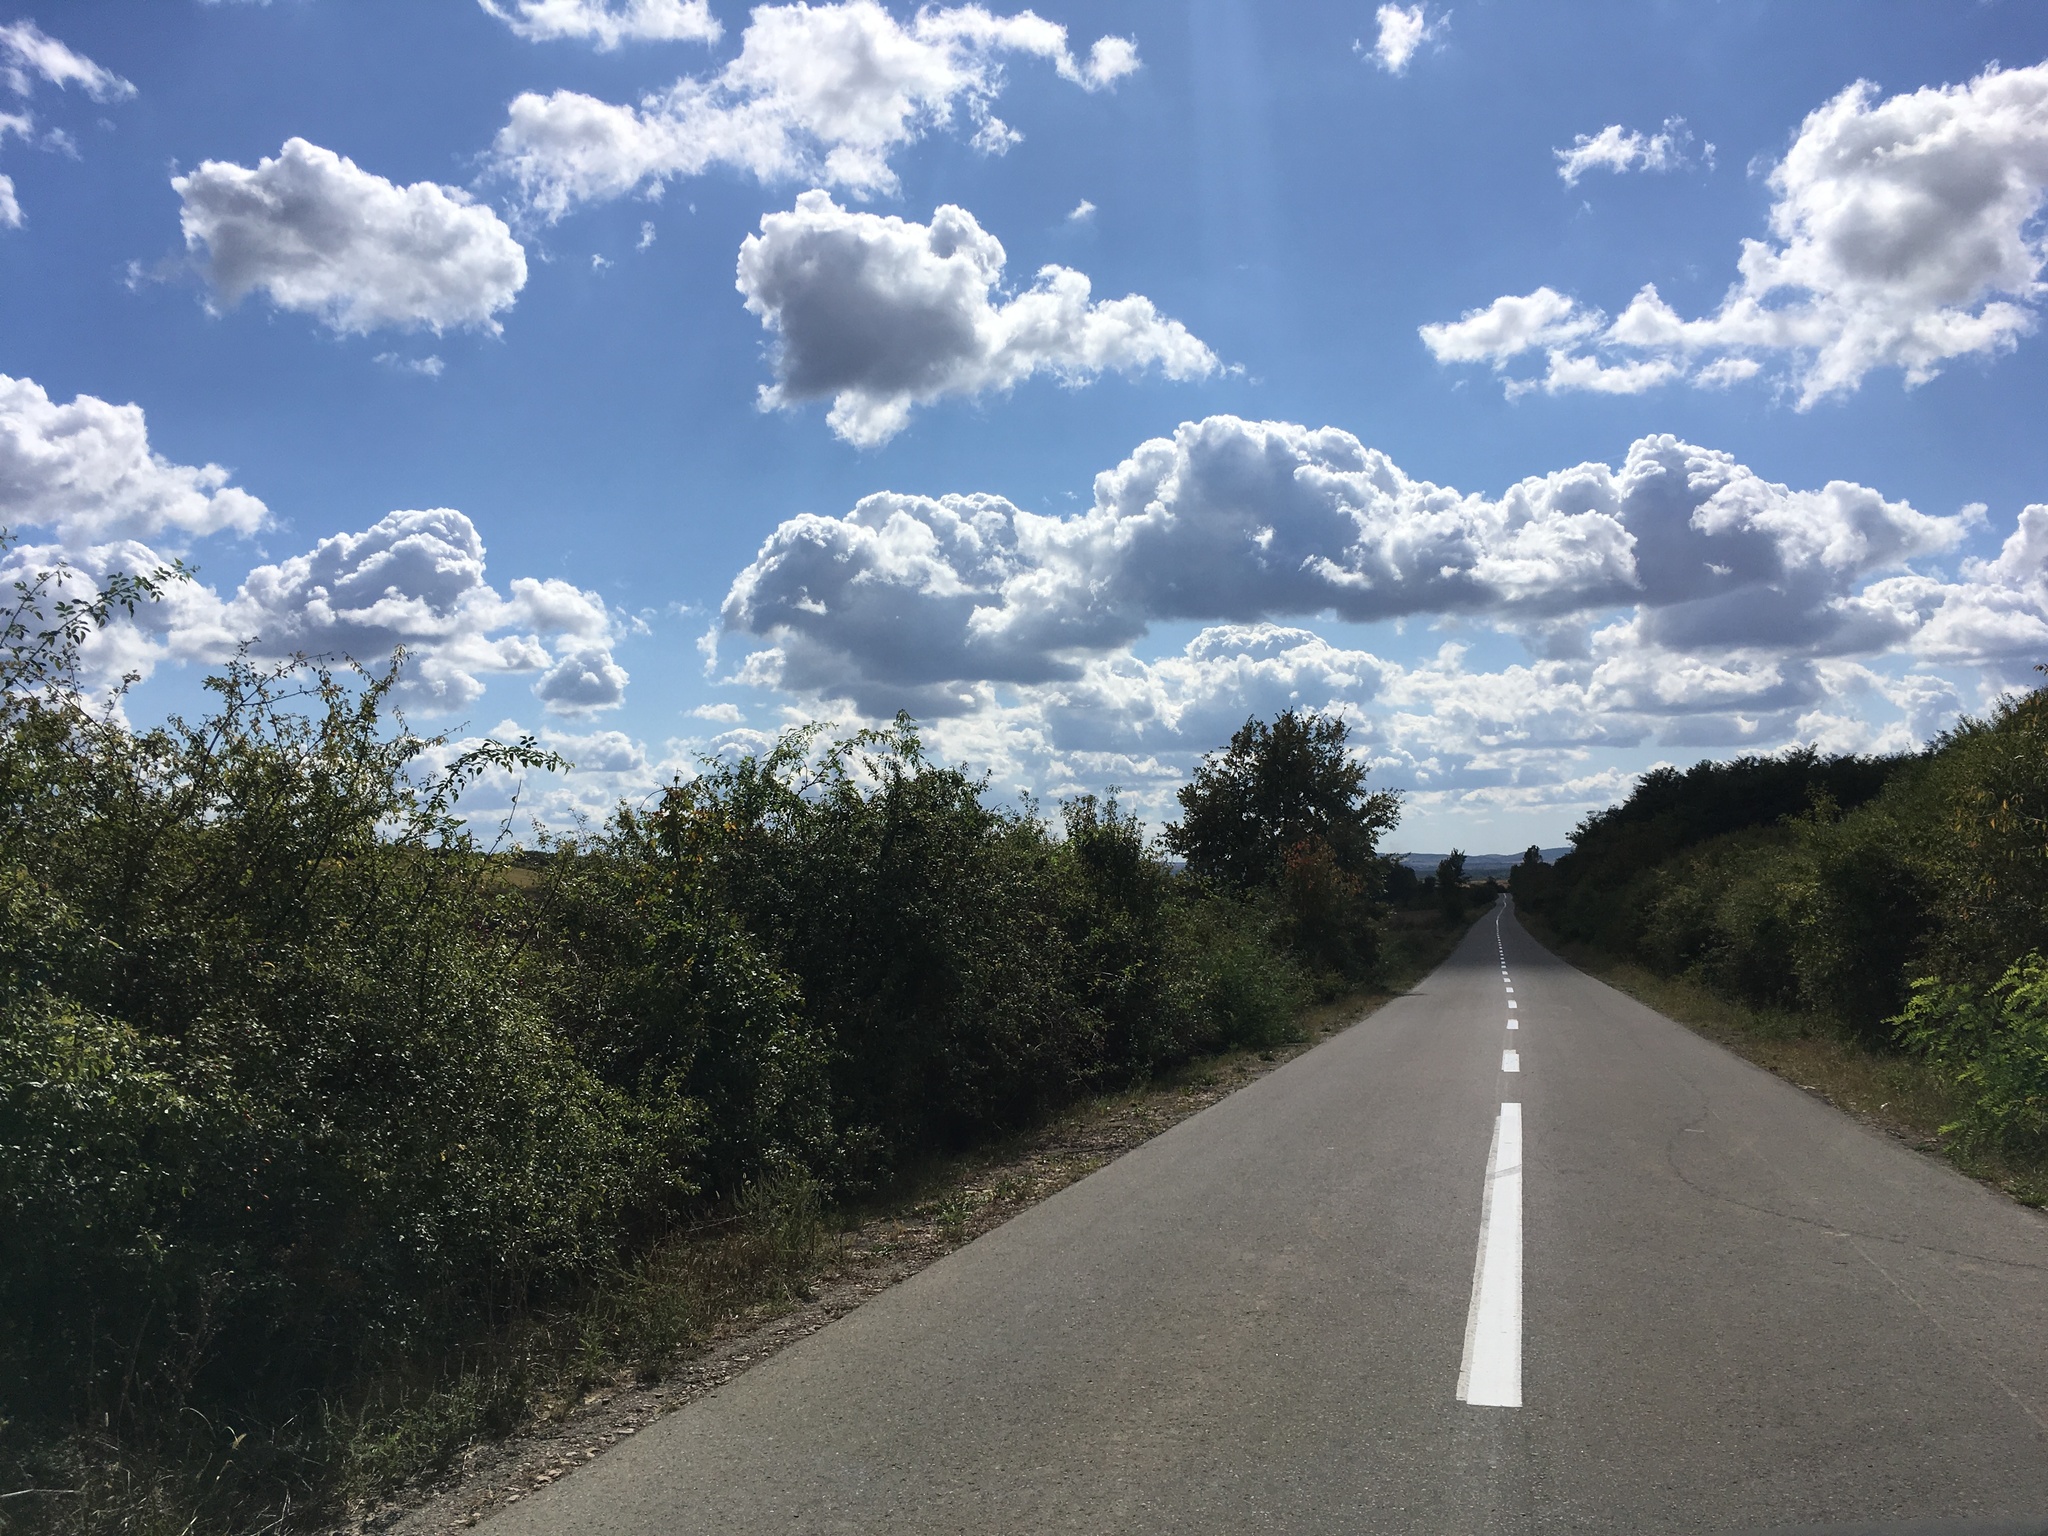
{"points": [[1513, 1254]]}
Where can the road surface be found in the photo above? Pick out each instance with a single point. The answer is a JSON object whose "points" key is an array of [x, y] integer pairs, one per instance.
{"points": [[1633, 1285]]}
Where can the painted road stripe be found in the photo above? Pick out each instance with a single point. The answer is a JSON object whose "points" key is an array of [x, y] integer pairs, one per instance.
{"points": [[1491, 1375], [1513, 1025], [1511, 1005], [1511, 1061]]}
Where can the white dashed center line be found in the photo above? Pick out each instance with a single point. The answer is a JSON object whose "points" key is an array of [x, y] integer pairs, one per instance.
{"points": [[1511, 1061], [1491, 1373]]}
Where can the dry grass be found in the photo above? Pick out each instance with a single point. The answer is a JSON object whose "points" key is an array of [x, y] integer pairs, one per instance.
{"points": [[1895, 1094]]}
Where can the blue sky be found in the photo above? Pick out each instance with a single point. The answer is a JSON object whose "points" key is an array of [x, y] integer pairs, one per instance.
{"points": [[472, 308]]}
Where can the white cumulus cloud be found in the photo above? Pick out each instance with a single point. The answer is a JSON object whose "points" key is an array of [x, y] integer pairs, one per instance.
{"points": [[584, 680], [82, 486], [86, 471], [825, 93], [416, 579], [608, 23], [1905, 234], [1674, 599], [919, 602], [1403, 29], [1510, 326], [880, 314], [321, 236]]}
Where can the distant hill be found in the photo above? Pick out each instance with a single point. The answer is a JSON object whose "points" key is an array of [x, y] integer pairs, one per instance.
{"points": [[1478, 865]]}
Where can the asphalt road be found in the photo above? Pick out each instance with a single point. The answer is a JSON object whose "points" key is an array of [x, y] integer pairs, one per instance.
{"points": [[1723, 1306]]}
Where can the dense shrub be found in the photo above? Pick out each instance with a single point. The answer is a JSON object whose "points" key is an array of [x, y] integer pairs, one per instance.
{"points": [[1604, 888], [1906, 899], [273, 1099], [1982, 820], [301, 1085], [1992, 1046]]}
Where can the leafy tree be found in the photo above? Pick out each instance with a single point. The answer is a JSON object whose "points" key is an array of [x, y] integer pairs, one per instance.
{"points": [[1450, 884], [1987, 847], [1276, 787], [1529, 882], [1283, 814]]}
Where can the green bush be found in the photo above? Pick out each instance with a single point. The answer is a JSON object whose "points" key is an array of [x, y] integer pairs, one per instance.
{"points": [[1830, 884], [1984, 825], [1250, 991], [1992, 1048], [275, 1103], [307, 1095]]}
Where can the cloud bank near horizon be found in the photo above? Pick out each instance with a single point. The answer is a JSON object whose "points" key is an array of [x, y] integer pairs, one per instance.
{"points": [[1674, 600]]}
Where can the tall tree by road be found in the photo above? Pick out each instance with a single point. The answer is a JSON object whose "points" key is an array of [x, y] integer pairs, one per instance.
{"points": [[1273, 789]]}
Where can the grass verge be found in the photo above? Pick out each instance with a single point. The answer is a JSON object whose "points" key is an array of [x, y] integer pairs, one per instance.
{"points": [[1893, 1093]]}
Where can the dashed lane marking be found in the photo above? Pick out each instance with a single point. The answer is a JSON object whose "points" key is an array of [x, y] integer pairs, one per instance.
{"points": [[1490, 1375]]}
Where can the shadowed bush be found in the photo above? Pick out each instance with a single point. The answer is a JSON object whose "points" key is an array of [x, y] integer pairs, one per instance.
{"points": [[326, 1130]]}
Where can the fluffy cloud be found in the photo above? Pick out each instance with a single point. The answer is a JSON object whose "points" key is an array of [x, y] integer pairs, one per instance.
{"points": [[83, 489], [599, 751], [27, 54], [879, 314], [1618, 149], [1675, 599], [915, 601], [1999, 612], [85, 474], [585, 680], [324, 237], [86, 471], [416, 579], [1905, 234], [1519, 738], [825, 93], [10, 206], [609, 24], [1510, 326], [1403, 29]]}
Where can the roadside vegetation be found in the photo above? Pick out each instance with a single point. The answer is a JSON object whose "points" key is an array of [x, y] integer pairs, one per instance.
{"points": [[1891, 913], [334, 1137]]}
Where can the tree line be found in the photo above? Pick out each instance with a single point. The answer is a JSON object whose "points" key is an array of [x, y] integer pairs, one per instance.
{"points": [[1904, 899]]}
